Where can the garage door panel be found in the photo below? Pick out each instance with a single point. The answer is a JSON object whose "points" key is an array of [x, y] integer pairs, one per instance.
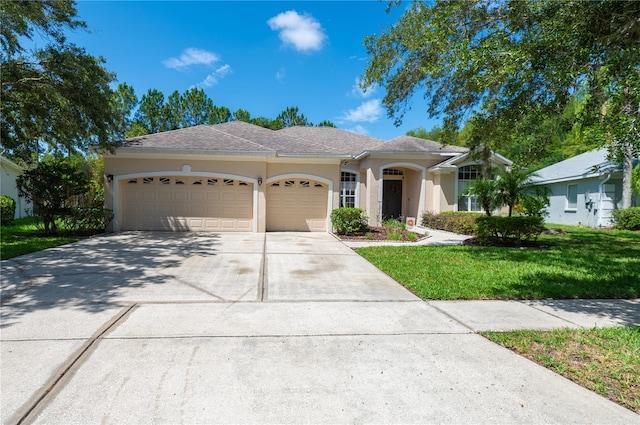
{"points": [[297, 205], [179, 203]]}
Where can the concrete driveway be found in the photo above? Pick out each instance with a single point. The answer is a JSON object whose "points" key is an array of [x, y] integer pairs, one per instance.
{"points": [[252, 328]]}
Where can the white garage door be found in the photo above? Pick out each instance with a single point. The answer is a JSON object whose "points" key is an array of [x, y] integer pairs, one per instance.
{"points": [[187, 203], [297, 205]]}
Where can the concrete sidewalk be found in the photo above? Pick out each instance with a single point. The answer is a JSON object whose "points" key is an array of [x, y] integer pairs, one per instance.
{"points": [[144, 328]]}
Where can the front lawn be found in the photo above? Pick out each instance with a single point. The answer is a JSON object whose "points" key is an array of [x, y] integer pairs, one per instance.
{"points": [[606, 361], [23, 237], [583, 263]]}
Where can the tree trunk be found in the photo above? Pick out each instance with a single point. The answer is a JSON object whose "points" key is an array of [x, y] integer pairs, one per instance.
{"points": [[627, 173]]}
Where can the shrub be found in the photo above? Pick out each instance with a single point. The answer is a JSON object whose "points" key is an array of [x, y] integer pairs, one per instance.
{"points": [[7, 210], [627, 218], [348, 221], [532, 206], [394, 226], [457, 222], [90, 219], [509, 230]]}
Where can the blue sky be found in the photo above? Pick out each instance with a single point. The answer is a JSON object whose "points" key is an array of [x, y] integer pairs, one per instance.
{"points": [[260, 56]]}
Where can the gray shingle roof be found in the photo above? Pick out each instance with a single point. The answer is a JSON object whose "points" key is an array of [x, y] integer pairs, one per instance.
{"points": [[235, 136], [242, 137], [415, 144], [579, 166], [342, 141], [198, 138]]}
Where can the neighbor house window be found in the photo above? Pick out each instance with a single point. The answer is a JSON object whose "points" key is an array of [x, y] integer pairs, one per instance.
{"points": [[466, 176], [572, 196], [348, 189]]}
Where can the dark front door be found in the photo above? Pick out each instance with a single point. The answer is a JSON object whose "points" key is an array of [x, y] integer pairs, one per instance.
{"points": [[391, 199]]}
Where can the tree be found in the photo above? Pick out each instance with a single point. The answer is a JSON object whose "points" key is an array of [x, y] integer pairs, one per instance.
{"points": [[123, 103], [151, 114], [326, 123], [49, 187], [486, 191], [242, 115], [507, 65], [218, 114], [172, 111], [264, 122], [56, 97], [195, 107], [291, 117], [515, 184], [434, 134]]}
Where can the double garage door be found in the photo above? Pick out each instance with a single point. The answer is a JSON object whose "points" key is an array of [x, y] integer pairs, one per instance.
{"points": [[187, 203], [219, 204]]}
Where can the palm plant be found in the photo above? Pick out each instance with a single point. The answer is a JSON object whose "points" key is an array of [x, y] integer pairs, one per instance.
{"points": [[486, 192], [514, 185]]}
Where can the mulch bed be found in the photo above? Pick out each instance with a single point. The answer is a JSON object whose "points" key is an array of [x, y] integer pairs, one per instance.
{"points": [[379, 234]]}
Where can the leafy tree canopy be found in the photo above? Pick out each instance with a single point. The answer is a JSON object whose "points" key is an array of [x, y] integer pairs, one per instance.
{"points": [[56, 98], [507, 66]]}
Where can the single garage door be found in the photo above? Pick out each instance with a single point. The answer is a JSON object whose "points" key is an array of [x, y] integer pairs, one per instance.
{"points": [[297, 205], [187, 203]]}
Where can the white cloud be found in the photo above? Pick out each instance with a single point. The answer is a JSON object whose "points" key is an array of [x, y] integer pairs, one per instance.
{"points": [[357, 91], [304, 33], [369, 111], [213, 78], [190, 57], [359, 129], [281, 74]]}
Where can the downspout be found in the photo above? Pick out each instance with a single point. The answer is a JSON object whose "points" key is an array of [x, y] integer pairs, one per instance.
{"points": [[600, 188]]}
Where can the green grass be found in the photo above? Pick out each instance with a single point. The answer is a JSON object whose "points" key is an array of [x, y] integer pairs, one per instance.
{"points": [[23, 237], [583, 263], [605, 360]]}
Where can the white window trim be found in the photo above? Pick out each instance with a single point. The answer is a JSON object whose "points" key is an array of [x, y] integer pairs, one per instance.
{"points": [[458, 195], [567, 207], [357, 174]]}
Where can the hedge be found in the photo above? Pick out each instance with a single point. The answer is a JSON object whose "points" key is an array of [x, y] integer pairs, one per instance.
{"points": [[627, 218], [459, 222], [509, 230], [7, 210]]}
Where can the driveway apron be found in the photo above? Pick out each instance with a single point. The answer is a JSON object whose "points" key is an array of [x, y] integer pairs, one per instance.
{"points": [[252, 328]]}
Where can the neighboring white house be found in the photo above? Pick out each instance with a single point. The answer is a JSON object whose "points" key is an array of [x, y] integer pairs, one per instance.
{"points": [[585, 189], [8, 175]]}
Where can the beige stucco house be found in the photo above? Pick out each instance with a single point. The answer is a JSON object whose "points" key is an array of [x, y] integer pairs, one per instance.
{"points": [[237, 176]]}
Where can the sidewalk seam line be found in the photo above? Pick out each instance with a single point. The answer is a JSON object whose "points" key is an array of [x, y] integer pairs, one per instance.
{"points": [[66, 370], [552, 315], [452, 317]]}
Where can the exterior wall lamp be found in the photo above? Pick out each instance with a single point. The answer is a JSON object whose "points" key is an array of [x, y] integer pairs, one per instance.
{"points": [[109, 178], [259, 181]]}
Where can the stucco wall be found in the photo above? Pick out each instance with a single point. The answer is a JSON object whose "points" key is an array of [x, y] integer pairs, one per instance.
{"points": [[448, 190], [582, 215], [252, 169]]}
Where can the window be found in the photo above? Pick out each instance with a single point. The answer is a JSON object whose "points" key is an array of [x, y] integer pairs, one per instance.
{"points": [[348, 189], [572, 196], [392, 172], [467, 175]]}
